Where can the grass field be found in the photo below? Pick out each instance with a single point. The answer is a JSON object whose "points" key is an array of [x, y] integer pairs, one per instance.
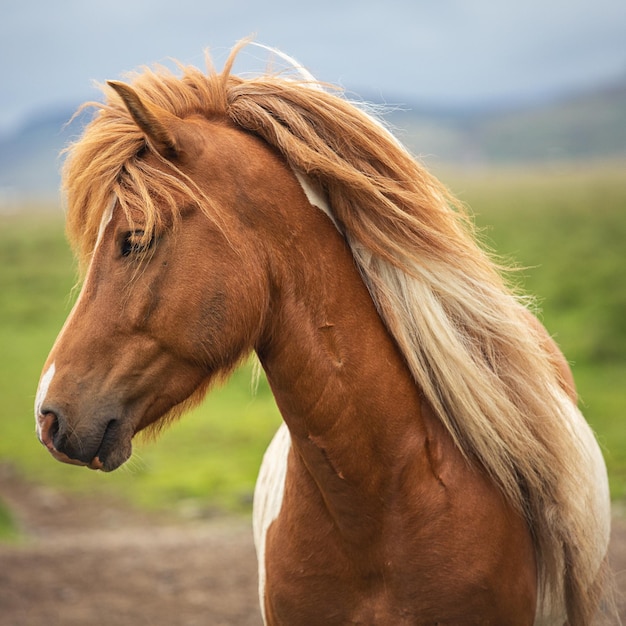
{"points": [[567, 228]]}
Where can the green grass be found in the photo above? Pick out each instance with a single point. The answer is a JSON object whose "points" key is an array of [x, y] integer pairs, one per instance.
{"points": [[567, 228], [8, 528]]}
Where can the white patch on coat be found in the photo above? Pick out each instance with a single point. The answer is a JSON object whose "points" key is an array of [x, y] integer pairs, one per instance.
{"points": [[268, 498], [315, 195]]}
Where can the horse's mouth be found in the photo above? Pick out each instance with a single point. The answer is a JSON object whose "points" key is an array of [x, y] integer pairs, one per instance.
{"points": [[102, 462], [95, 463], [115, 447]]}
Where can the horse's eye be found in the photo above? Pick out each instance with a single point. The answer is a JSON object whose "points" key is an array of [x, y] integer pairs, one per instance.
{"points": [[135, 242]]}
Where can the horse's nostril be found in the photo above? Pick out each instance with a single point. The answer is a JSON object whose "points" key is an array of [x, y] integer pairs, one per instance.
{"points": [[49, 425]]}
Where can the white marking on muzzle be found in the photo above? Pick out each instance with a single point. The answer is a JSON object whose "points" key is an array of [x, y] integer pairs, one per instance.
{"points": [[42, 392], [46, 379], [107, 216]]}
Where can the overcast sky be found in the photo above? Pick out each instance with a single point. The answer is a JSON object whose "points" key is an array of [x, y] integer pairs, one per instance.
{"points": [[447, 52]]}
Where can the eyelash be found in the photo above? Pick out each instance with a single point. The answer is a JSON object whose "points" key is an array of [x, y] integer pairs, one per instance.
{"points": [[135, 242]]}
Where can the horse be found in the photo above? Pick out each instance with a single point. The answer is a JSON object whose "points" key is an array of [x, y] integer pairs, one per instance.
{"points": [[432, 466]]}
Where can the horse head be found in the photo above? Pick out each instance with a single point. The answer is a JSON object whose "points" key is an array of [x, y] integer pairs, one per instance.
{"points": [[169, 300]]}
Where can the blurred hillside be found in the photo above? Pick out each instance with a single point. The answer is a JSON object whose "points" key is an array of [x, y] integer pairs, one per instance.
{"points": [[574, 127], [582, 126], [30, 157]]}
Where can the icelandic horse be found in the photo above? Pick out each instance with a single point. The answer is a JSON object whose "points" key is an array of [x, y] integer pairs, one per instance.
{"points": [[433, 466]]}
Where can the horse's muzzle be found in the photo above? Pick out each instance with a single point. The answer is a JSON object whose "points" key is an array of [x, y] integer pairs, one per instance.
{"points": [[66, 449]]}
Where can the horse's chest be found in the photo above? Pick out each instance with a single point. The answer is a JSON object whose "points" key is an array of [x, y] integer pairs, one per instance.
{"points": [[445, 564], [320, 582]]}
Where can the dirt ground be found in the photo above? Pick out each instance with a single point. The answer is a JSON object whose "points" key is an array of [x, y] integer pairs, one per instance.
{"points": [[90, 563]]}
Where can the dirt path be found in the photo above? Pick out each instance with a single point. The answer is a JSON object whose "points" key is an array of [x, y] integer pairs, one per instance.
{"points": [[95, 564], [91, 564]]}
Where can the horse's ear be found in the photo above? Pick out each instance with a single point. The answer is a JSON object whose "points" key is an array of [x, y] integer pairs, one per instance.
{"points": [[159, 126]]}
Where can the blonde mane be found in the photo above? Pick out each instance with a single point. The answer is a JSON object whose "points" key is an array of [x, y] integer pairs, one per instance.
{"points": [[465, 336]]}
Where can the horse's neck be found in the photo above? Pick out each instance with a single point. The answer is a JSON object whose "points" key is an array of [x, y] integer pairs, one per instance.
{"points": [[343, 389]]}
